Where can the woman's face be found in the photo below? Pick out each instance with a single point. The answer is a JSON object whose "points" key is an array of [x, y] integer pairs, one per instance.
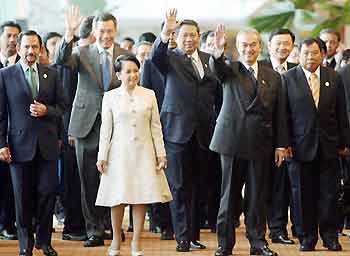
{"points": [[129, 74]]}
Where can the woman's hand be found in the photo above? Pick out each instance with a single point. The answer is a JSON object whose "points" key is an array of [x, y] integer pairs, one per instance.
{"points": [[162, 163], [101, 166]]}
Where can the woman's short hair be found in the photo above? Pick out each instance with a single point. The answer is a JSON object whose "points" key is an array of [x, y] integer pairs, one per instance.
{"points": [[118, 64]]}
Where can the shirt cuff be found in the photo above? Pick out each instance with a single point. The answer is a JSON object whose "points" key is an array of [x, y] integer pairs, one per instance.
{"points": [[218, 52], [164, 38]]}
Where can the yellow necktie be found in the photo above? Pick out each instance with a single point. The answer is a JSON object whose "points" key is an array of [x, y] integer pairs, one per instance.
{"points": [[315, 88]]}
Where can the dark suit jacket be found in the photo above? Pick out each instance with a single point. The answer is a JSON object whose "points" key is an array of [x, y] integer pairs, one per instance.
{"points": [[88, 99], [268, 63], [324, 128], [189, 103], [250, 127], [345, 75], [17, 59], [18, 129], [152, 79]]}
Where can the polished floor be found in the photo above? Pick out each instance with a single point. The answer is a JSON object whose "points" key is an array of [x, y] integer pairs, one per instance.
{"points": [[154, 247]]}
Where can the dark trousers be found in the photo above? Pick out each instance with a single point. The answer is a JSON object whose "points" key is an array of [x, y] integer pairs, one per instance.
{"points": [[235, 173], [281, 199], [35, 184], [319, 180], [74, 220], [86, 151], [7, 204], [160, 216], [185, 164]]}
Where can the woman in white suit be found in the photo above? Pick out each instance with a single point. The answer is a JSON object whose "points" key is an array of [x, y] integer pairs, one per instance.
{"points": [[131, 154]]}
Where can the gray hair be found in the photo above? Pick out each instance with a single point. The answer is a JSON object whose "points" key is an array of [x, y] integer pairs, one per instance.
{"points": [[248, 31]]}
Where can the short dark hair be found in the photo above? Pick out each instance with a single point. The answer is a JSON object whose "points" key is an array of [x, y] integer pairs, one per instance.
{"points": [[118, 64], [28, 33], [282, 31], [147, 37], [50, 35], [127, 38], [85, 28], [331, 31], [105, 16], [346, 55], [190, 23], [204, 36], [323, 45], [309, 41], [10, 23]]}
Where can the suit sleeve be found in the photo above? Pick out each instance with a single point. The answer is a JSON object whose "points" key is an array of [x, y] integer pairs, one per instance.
{"points": [[345, 75], [156, 129], [159, 55], [221, 67], [3, 113], [65, 55], [281, 116], [106, 130], [146, 80], [58, 108], [343, 123]]}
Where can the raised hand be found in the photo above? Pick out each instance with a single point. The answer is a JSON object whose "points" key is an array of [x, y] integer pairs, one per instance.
{"points": [[170, 21], [220, 36], [72, 19]]}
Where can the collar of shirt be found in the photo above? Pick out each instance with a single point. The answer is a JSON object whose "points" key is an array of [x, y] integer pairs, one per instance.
{"points": [[276, 64], [308, 73], [109, 50], [11, 59], [330, 59], [254, 67], [195, 57], [25, 67]]}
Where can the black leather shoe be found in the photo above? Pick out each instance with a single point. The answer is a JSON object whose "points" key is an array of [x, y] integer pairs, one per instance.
{"points": [[94, 241], [7, 234], [197, 245], [265, 251], [183, 246], [282, 239], [49, 251], [167, 235], [222, 252], [306, 246], [74, 237], [332, 245], [25, 252]]}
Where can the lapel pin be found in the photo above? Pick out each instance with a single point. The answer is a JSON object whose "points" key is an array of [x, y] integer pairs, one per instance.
{"points": [[263, 81], [205, 65], [326, 84], [44, 76]]}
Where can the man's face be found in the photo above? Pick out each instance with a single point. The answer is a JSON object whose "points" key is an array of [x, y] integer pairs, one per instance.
{"points": [[310, 57], [172, 40], [332, 43], [143, 52], [210, 44], [8, 41], [127, 45], [188, 39], [51, 46], [29, 49], [105, 32], [248, 47], [280, 47]]}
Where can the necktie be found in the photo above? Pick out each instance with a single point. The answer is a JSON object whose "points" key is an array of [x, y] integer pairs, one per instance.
{"points": [[280, 69], [251, 72], [199, 72], [315, 88], [106, 71], [31, 78]]}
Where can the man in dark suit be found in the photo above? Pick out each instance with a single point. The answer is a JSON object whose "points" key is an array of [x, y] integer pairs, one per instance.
{"points": [[188, 118], [319, 128], [9, 31], [94, 65], [280, 45], [251, 127], [332, 39], [151, 78], [31, 101]]}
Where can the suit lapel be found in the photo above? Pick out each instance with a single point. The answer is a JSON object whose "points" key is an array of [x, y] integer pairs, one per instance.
{"points": [[324, 79], [187, 64], [304, 85], [22, 80], [205, 62], [94, 59], [43, 85]]}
